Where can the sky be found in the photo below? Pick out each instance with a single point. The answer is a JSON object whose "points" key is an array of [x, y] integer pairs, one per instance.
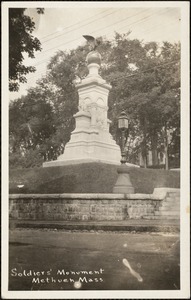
{"points": [[62, 28]]}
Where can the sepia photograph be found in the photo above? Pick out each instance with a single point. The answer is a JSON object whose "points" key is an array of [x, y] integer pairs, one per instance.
{"points": [[95, 150]]}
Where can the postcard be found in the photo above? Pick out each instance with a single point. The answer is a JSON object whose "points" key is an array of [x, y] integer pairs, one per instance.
{"points": [[95, 150]]}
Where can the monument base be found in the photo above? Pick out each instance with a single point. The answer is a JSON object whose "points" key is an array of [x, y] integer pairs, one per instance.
{"points": [[88, 145], [60, 163]]}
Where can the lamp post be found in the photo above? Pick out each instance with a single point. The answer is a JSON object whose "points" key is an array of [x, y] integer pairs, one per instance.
{"points": [[123, 184], [123, 124]]}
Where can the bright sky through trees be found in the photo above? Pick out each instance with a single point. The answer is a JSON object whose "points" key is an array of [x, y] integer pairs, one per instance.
{"points": [[62, 29]]}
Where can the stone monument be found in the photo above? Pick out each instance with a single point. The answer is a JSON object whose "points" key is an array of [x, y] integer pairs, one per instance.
{"points": [[91, 140]]}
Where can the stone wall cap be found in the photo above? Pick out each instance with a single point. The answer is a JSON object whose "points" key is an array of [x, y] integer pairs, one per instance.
{"points": [[88, 196]]}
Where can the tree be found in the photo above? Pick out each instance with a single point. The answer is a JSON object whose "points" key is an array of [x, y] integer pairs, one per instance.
{"points": [[148, 74], [145, 81], [20, 41], [31, 126]]}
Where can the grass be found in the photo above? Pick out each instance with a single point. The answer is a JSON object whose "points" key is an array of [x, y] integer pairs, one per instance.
{"points": [[87, 178]]}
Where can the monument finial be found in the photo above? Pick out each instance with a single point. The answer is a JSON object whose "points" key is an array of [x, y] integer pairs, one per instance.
{"points": [[93, 43], [93, 56]]}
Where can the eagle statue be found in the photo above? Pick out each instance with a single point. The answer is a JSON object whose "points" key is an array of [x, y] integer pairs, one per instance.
{"points": [[93, 43]]}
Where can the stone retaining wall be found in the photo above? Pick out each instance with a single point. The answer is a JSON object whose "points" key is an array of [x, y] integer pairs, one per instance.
{"points": [[84, 207]]}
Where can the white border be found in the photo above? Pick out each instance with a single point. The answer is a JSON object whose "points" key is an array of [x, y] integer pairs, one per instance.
{"points": [[185, 170]]}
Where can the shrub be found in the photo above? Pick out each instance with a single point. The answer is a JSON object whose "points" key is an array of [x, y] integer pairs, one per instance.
{"points": [[32, 158]]}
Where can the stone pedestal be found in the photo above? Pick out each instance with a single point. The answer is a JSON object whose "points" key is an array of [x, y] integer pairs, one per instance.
{"points": [[123, 184], [91, 140]]}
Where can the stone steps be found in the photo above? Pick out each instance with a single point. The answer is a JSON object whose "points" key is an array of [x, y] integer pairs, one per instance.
{"points": [[172, 198], [161, 217], [172, 201], [167, 217], [176, 194], [170, 208], [167, 213]]}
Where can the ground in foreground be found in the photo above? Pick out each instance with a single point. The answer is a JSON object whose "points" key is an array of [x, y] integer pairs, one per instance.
{"points": [[60, 260]]}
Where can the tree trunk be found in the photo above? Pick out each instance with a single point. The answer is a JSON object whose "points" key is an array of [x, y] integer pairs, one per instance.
{"points": [[166, 158], [154, 150], [166, 149], [144, 144], [145, 162], [144, 152]]}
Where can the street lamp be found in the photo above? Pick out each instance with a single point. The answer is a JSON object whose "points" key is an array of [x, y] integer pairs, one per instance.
{"points": [[123, 184], [123, 124]]}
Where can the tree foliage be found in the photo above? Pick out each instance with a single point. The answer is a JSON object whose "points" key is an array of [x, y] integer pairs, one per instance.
{"points": [[31, 124], [149, 90], [145, 81], [21, 41]]}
